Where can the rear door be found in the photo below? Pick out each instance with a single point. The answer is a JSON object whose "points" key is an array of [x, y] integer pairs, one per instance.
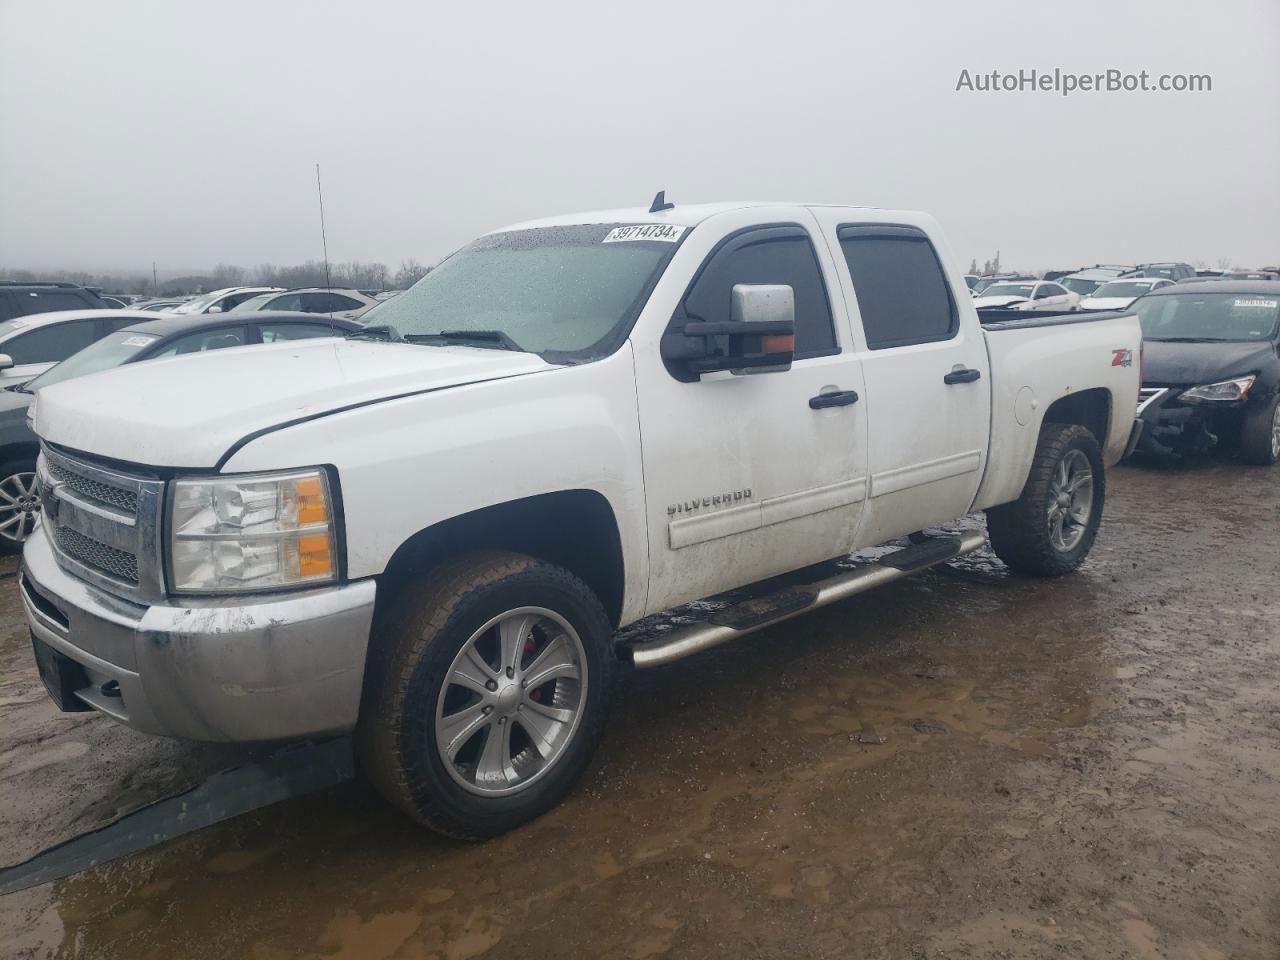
{"points": [[750, 476], [926, 371]]}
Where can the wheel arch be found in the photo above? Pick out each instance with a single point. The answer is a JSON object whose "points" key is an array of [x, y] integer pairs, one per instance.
{"points": [[574, 529], [1090, 409], [19, 448]]}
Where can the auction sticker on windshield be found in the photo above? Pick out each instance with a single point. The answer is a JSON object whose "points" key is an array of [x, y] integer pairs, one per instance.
{"points": [[1256, 303], [662, 232]]}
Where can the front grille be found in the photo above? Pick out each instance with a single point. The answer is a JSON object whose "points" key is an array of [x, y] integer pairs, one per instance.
{"points": [[103, 523], [95, 490], [1148, 395], [113, 562]]}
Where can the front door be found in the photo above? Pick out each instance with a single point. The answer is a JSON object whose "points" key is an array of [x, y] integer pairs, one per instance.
{"points": [[747, 476]]}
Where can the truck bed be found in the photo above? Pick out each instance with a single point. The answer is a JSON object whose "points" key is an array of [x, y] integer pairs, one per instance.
{"points": [[1004, 318]]}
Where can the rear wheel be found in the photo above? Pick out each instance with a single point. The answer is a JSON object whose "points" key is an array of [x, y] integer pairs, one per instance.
{"points": [[1049, 530], [1260, 434], [486, 694], [19, 504]]}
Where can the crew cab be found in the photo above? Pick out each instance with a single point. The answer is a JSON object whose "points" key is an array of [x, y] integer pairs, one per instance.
{"points": [[432, 532]]}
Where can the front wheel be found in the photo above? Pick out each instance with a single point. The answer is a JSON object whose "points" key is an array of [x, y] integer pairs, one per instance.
{"points": [[486, 693], [1049, 530], [1260, 434], [19, 504]]}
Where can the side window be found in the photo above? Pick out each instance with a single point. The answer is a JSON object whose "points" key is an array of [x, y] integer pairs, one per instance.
{"points": [[202, 341], [50, 344], [338, 302], [118, 323], [1049, 290], [275, 332], [902, 293], [290, 301], [45, 301], [769, 255], [234, 300]]}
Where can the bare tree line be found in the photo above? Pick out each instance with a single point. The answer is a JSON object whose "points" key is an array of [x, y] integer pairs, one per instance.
{"points": [[353, 274]]}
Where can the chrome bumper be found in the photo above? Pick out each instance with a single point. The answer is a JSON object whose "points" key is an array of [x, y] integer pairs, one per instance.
{"points": [[261, 668]]}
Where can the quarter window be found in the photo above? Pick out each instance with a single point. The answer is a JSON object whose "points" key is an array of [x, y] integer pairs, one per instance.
{"points": [[782, 255], [273, 332], [902, 292], [202, 341]]}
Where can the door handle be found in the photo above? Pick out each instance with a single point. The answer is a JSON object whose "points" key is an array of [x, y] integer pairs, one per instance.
{"points": [[837, 398], [962, 376]]}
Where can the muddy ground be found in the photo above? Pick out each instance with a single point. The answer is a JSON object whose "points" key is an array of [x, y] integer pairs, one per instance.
{"points": [[961, 765]]}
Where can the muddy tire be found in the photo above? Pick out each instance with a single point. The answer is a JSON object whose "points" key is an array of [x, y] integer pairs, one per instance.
{"points": [[486, 693], [19, 506], [1050, 528], [1260, 434]]}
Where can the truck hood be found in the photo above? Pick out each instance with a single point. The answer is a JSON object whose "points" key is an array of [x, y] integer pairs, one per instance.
{"points": [[189, 411], [1191, 364]]}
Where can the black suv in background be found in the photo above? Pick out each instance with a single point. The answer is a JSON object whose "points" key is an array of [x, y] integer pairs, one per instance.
{"points": [[19, 299]]}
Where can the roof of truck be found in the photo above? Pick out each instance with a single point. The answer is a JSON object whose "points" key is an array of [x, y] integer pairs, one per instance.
{"points": [[682, 214]]}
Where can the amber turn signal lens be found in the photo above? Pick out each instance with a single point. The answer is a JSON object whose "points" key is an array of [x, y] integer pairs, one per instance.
{"points": [[311, 505], [315, 559], [779, 344]]}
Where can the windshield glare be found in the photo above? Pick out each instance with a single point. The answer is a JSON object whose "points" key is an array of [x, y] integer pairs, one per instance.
{"points": [[111, 351], [1209, 316], [1125, 288], [1008, 290], [252, 304], [564, 293], [199, 304], [1082, 287]]}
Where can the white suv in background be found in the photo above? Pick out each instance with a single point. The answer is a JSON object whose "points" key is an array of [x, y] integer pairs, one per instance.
{"points": [[221, 301], [347, 304], [1028, 295], [1118, 294]]}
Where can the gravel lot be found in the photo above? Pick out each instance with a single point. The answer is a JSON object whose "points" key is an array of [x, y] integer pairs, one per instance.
{"points": [[960, 765]]}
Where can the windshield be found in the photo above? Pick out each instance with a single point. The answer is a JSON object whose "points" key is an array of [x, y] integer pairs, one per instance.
{"points": [[252, 304], [200, 304], [1008, 290], [1122, 288], [1208, 316], [569, 294], [1077, 285], [111, 351]]}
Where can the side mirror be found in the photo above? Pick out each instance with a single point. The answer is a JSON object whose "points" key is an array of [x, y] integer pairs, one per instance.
{"points": [[214, 309], [6, 361], [759, 337]]}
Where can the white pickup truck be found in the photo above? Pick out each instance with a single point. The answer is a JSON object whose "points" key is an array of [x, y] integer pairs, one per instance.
{"points": [[431, 532]]}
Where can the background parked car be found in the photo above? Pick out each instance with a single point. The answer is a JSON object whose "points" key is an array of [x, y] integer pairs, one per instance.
{"points": [[1028, 295], [1118, 294], [157, 306], [220, 301], [984, 282], [348, 304], [1211, 372], [1252, 275], [32, 344], [24, 299], [141, 339], [1169, 270], [1085, 282]]}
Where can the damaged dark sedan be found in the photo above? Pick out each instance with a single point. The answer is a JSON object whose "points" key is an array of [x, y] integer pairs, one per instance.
{"points": [[1211, 375]]}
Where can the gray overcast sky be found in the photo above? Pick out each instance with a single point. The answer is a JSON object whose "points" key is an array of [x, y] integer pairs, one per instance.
{"points": [[186, 132]]}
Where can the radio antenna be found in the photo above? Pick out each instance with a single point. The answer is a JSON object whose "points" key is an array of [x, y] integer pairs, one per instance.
{"points": [[324, 242]]}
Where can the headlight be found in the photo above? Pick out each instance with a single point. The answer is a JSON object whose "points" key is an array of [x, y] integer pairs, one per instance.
{"points": [[1225, 391], [252, 532]]}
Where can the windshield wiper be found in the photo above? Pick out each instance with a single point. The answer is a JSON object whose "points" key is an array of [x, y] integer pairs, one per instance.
{"points": [[478, 338], [378, 331]]}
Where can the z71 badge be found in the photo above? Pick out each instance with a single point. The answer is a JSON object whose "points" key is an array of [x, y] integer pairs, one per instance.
{"points": [[1122, 358]]}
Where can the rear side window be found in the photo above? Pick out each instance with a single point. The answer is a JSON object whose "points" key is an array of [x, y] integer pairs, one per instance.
{"points": [[902, 292], [25, 303], [769, 255], [51, 343]]}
